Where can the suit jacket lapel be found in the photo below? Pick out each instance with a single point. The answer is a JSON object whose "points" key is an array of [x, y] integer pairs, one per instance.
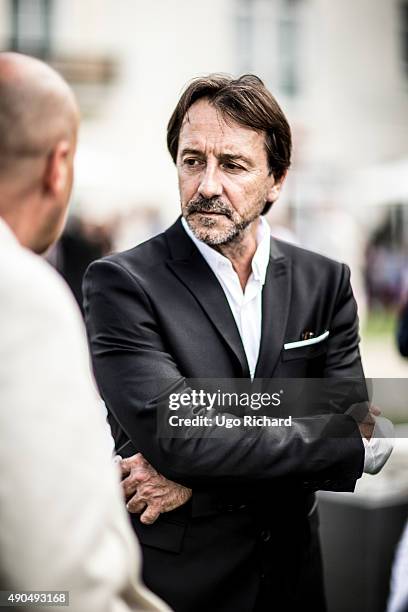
{"points": [[275, 310], [193, 271]]}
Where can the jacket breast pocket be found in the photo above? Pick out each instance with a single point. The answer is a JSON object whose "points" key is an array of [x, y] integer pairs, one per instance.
{"points": [[307, 351]]}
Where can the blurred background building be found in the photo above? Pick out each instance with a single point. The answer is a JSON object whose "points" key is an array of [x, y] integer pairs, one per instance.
{"points": [[340, 71]]}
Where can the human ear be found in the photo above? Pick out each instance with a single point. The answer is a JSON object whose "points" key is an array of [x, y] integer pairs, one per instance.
{"points": [[275, 188], [57, 168]]}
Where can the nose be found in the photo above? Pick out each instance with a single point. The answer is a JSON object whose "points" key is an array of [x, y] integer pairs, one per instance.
{"points": [[210, 183]]}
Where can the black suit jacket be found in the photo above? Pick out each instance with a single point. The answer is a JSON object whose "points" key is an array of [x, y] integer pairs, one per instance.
{"points": [[157, 315], [403, 332]]}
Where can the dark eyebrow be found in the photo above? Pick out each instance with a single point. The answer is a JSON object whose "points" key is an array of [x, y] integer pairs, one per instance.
{"points": [[223, 157], [230, 157], [192, 152]]}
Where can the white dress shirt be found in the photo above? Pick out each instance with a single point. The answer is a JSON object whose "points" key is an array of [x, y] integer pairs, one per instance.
{"points": [[246, 307], [63, 524]]}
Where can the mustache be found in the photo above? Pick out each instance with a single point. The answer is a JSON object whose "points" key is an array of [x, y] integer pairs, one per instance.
{"points": [[208, 205]]}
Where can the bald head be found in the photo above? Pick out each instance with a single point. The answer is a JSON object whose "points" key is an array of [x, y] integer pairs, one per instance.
{"points": [[38, 125], [37, 108]]}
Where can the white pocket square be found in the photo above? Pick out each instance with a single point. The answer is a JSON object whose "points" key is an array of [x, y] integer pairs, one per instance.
{"points": [[299, 343]]}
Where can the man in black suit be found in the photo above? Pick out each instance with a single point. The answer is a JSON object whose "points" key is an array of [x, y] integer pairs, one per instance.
{"points": [[214, 297], [402, 335]]}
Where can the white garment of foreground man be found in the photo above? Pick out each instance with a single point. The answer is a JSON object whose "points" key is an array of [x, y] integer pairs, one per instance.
{"points": [[63, 525]]}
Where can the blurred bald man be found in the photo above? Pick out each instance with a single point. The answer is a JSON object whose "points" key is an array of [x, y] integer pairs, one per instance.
{"points": [[62, 526]]}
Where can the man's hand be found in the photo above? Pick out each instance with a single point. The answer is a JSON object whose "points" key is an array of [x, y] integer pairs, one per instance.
{"points": [[147, 491], [367, 425]]}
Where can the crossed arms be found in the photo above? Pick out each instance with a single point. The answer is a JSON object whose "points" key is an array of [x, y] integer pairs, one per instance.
{"points": [[130, 359]]}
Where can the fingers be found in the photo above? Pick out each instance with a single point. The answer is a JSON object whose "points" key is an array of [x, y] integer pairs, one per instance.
{"points": [[133, 477], [150, 515], [130, 484], [375, 410], [131, 462], [124, 468], [148, 492], [149, 512], [129, 487], [136, 505]]}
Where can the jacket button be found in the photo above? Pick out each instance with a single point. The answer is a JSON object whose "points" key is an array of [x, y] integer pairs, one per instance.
{"points": [[265, 535]]}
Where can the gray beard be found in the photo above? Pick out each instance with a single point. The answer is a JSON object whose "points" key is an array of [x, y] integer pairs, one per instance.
{"points": [[233, 234], [230, 236]]}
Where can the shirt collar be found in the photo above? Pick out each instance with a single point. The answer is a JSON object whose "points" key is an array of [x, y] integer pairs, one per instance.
{"points": [[216, 260], [261, 258]]}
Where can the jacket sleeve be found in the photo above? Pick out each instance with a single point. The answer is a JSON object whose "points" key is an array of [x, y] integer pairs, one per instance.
{"points": [[343, 356], [343, 376], [130, 360]]}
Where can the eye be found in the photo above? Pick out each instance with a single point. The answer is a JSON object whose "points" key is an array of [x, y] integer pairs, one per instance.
{"points": [[231, 166], [191, 162]]}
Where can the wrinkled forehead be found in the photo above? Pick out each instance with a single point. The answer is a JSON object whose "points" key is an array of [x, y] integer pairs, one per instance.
{"points": [[206, 126]]}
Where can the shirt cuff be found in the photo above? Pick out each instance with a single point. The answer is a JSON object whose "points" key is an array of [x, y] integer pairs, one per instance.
{"points": [[378, 449]]}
